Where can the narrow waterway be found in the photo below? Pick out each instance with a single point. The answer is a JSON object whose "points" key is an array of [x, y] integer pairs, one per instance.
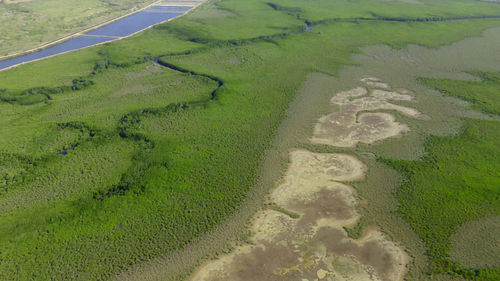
{"points": [[124, 27]]}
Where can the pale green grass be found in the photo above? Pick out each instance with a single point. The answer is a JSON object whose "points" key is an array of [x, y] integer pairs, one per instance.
{"points": [[189, 157], [27, 24]]}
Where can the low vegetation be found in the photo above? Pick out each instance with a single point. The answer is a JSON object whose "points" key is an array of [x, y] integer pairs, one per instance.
{"points": [[457, 181], [476, 242], [109, 159], [28, 24], [482, 94]]}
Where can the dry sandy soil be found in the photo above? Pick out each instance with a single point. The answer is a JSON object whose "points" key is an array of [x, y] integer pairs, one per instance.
{"points": [[352, 123], [15, 1], [315, 245]]}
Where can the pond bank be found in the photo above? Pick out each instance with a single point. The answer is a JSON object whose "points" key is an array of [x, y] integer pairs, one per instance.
{"points": [[122, 27]]}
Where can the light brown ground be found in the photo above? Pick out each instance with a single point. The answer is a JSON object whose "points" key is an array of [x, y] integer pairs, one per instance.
{"points": [[377, 190], [315, 246], [15, 1], [352, 123], [375, 82]]}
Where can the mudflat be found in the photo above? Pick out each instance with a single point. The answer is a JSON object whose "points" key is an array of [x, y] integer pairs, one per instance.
{"points": [[315, 246], [353, 124]]}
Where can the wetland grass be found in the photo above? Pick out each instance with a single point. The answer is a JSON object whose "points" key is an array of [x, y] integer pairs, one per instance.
{"points": [[144, 179], [456, 181], [28, 24]]}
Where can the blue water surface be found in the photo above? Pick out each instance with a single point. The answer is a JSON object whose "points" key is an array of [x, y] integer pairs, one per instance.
{"points": [[136, 22], [71, 44], [120, 28]]}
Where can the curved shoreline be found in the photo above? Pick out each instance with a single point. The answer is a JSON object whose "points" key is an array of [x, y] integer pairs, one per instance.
{"points": [[72, 35], [304, 236], [82, 33]]}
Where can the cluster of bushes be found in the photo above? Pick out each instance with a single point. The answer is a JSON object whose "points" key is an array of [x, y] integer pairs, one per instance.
{"points": [[12, 168], [482, 94], [199, 162], [41, 94]]}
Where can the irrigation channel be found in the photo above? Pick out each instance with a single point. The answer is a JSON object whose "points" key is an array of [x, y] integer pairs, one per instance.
{"points": [[157, 13]]}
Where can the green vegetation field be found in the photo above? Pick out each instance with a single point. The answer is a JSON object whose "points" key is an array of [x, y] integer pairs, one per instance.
{"points": [[108, 159], [483, 94], [458, 180], [27, 24]]}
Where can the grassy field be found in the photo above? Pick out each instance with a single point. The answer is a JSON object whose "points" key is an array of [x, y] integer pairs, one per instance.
{"points": [[27, 24], [476, 243], [482, 94], [110, 160], [457, 181]]}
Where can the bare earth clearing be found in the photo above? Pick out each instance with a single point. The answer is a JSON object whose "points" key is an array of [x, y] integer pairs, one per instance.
{"points": [[15, 1], [315, 246], [351, 124]]}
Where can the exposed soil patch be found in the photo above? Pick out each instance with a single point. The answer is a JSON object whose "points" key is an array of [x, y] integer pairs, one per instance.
{"points": [[352, 124], [315, 246], [375, 82], [16, 1]]}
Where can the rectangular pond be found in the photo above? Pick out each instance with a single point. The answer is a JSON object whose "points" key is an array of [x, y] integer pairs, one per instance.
{"points": [[115, 30], [140, 21], [72, 44]]}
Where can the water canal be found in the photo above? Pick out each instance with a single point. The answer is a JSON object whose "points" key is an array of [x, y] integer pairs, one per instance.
{"points": [[158, 13]]}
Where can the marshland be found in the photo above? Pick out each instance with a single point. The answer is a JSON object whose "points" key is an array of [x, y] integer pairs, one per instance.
{"points": [[229, 142]]}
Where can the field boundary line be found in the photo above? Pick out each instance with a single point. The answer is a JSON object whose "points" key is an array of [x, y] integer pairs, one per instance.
{"points": [[76, 34], [112, 40]]}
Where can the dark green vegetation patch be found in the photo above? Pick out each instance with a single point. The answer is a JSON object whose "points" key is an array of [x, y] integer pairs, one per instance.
{"points": [[458, 180], [484, 94], [99, 176]]}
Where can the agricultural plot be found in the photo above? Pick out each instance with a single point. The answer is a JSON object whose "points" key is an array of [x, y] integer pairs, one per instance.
{"points": [[118, 156]]}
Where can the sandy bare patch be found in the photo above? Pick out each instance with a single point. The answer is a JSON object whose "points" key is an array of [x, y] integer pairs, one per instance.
{"points": [[315, 246], [16, 1], [387, 95], [378, 85], [375, 82], [405, 91], [370, 79], [370, 127], [269, 225], [353, 124]]}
